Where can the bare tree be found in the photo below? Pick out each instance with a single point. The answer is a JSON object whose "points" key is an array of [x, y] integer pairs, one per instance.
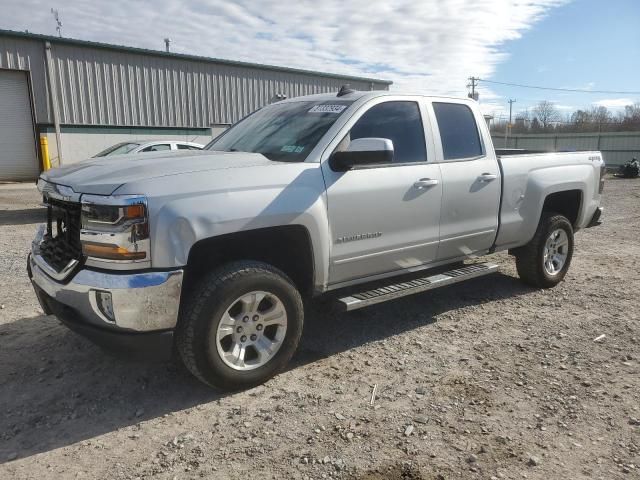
{"points": [[545, 117], [580, 118], [581, 121], [601, 115], [546, 113], [631, 114], [535, 125]]}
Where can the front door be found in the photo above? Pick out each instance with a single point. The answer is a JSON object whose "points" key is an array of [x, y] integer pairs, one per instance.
{"points": [[385, 218]]}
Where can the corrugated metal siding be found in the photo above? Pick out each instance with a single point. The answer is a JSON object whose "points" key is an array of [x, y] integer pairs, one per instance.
{"points": [[119, 88], [577, 143], [97, 86], [25, 54], [616, 147]]}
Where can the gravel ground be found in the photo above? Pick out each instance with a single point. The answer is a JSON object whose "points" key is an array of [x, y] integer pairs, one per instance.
{"points": [[488, 379]]}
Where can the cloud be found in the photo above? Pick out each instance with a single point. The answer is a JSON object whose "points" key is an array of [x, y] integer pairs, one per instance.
{"points": [[423, 46], [582, 86], [614, 103]]}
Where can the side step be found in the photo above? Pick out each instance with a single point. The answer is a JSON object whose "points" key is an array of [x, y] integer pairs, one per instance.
{"points": [[417, 285]]}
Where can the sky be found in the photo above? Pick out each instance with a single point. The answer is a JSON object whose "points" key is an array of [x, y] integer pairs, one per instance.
{"points": [[427, 46], [583, 44]]}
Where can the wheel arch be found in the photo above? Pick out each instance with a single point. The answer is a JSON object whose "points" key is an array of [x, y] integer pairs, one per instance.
{"points": [[563, 199], [287, 247], [565, 202]]}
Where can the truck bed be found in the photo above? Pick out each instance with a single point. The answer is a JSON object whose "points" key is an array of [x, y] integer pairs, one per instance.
{"points": [[528, 178]]}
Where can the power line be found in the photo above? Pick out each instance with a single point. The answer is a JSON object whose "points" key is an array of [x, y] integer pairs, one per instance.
{"points": [[577, 90]]}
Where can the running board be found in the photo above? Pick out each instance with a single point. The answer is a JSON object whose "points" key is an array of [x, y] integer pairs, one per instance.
{"points": [[417, 285]]}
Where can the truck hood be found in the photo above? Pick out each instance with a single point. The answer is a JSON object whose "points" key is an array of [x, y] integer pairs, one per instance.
{"points": [[102, 176]]}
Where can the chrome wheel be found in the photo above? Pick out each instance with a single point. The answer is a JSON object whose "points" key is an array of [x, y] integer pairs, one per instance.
{"points": [[556, 251], [251, 331]]}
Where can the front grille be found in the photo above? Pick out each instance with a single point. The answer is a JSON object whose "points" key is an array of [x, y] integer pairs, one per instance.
{"points": [[61, 243]]}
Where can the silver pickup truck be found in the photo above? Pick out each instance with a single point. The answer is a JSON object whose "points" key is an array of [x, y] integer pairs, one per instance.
{"points": [[363, 197]]}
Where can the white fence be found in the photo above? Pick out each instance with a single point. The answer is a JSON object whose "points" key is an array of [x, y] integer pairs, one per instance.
{"points": [[616, 147]]}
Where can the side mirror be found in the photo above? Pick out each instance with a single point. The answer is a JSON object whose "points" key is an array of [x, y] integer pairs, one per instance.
{"points": [[363, 152]]}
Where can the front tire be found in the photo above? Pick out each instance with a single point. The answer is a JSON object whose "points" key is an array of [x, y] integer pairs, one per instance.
{"points": [[545, 260], [241, 325]]}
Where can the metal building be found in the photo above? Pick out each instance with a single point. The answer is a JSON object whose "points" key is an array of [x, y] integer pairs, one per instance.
{"points": [[84, 96]]}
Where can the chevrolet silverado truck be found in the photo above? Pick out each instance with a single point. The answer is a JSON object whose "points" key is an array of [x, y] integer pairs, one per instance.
{"points": [[361, 197]]}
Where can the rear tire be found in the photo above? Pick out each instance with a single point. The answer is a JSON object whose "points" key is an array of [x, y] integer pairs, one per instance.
{"points": [[241, 325], [545, 260]]}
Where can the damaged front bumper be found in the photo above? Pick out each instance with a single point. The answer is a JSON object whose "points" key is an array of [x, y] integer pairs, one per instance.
{"points": [[133, 313]]}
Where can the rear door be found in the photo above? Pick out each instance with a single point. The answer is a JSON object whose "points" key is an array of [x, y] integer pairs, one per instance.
{"points": [[471, 181], [381, 220]]}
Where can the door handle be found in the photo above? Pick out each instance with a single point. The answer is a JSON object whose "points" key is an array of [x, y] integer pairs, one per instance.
{"points": [[426, 183], [487, 177]]}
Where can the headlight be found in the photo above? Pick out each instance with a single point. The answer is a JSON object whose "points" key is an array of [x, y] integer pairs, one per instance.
{"points": [[115, 228]]}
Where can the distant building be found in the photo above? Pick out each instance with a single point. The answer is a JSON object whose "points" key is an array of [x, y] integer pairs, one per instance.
{"points": [[85, 96]]}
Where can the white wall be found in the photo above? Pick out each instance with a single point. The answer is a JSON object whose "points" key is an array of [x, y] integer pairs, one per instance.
{"points": [[85, 143]]}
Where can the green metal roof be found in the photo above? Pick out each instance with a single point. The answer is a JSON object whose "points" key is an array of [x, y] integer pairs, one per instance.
{"points": [[181, 56]]}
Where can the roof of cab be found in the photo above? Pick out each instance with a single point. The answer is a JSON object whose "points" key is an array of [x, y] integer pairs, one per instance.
{"points": [[357, 95]]}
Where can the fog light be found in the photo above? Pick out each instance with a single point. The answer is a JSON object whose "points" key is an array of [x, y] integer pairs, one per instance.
{"points": [[105, 305]]}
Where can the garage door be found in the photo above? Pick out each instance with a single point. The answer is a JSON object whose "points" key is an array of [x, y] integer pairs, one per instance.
{"points": [[18, 159]]}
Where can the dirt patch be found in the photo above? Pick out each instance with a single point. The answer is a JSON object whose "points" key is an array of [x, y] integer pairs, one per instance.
{"points": [[489, 379], [395, 472]]}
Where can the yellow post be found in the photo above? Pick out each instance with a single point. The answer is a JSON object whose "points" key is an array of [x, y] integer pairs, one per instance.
{"points": [[44, 147]]}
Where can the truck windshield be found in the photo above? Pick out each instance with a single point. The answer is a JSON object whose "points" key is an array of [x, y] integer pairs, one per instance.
{"points": [[283, 132]]}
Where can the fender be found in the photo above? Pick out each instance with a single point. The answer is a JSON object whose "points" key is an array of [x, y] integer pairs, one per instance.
{"points": [[268, 196]]}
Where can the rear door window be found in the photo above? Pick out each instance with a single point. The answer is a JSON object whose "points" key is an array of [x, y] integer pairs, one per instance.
{"points": [[458, 131], [158, 148]]}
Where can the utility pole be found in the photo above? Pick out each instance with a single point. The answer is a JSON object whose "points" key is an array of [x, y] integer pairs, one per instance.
{"points": [[56, 16], [472, 85], [511, 102], [507, 129]]}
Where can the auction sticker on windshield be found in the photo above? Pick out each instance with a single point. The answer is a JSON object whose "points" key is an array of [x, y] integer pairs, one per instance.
{"points": [[327, 109], [292, 148]]}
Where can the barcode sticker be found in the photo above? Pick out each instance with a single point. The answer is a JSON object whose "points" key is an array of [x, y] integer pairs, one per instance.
{"points": [[327, 109]]}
